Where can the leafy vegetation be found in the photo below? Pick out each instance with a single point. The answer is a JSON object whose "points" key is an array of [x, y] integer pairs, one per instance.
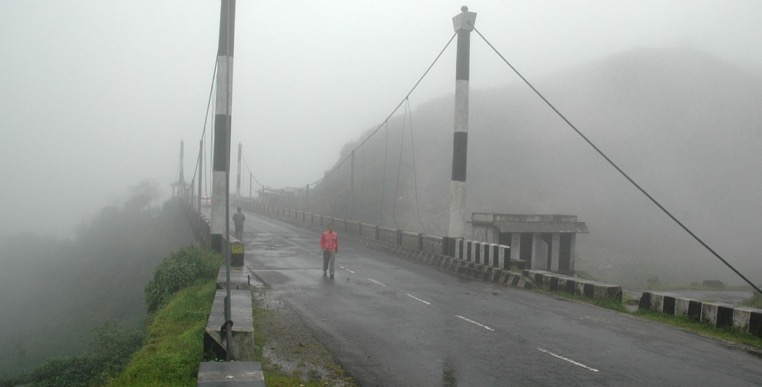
{"points": [[754, 302], [727, 333], [174, 345], [179, 270]]}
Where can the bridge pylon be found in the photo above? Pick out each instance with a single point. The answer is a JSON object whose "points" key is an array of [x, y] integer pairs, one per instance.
{"points": [[463, 24]]}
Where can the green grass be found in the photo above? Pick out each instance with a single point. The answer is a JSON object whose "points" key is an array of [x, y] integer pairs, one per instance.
{"points": [[175, 341], [754, 302], [726, 334]]}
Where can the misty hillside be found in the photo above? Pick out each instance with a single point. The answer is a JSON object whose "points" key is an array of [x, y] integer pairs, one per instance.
{"points": [[685, 125], [55, 292]]}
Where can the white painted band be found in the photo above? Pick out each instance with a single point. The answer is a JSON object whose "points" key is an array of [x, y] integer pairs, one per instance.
{"points": [[218, 203], [224, 83], [457, 209], [461, 106]]}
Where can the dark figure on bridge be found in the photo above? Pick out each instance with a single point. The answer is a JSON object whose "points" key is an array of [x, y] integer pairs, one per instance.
{"points": [[238, 219], [329, 242]]}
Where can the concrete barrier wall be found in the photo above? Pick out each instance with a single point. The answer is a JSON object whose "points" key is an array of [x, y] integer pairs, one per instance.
{"points": [[353, 227], [368, 231], [747, 320], [483, 253], [432, 244], [592, 290], [388, 236], [411, 240], [480, 260]]}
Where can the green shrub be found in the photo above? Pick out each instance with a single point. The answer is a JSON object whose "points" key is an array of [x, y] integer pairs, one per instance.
{"points": [[181, 269], [175, 341], [754, 302]]}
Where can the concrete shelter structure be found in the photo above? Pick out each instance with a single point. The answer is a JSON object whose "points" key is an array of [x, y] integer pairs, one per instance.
{"points": [[545, 242]]}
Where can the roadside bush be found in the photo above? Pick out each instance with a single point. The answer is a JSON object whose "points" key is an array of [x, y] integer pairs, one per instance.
{"points": [[754, 302], [181, 269]]}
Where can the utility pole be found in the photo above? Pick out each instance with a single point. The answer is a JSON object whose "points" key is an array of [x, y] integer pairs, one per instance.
{"points": [[463, 25], [238, 177]]}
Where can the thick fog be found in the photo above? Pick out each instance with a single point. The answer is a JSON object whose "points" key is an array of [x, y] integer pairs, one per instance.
{"points": [[96, 96]]}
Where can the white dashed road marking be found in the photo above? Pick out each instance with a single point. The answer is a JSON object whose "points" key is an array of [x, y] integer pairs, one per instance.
{"points": [[476, 323], [418, 299], [567, 359], [376, 282], [344, 268]]}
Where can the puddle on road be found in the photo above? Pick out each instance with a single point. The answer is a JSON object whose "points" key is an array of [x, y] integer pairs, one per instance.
{"points": [[449, 373], [270, 246]]}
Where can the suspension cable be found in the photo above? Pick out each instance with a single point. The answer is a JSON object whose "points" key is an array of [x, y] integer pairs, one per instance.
{"points": [[381, 125], [415, 175], [206, 117], [399, 165], [251, 173], [383, 179], [636, 185]]}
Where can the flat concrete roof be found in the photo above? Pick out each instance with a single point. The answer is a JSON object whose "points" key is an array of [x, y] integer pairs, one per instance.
{"points": [[542, 227], [527, 223]]}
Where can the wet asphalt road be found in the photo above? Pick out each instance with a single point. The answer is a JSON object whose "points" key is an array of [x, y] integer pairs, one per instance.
{"points": [[391, 322]]}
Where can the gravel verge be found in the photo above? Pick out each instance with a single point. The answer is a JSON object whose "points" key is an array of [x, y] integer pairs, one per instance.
{"points": [[291, 354]]}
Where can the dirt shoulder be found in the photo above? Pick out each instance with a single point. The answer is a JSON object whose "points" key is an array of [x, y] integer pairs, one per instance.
{"points": [[291, 354]]}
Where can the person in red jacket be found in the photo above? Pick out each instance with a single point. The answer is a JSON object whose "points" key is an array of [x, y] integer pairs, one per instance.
{"points": [[329, 242]]}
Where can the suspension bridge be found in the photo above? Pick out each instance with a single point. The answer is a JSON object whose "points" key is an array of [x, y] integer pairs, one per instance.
{"points": [[371, 196]]}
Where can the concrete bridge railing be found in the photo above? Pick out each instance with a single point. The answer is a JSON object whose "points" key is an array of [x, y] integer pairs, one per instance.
{"points": [[747, 320], [243, 368], [481, 260]]}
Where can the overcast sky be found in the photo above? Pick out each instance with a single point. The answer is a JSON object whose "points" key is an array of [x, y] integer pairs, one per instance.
{"points": [[97, 95]]}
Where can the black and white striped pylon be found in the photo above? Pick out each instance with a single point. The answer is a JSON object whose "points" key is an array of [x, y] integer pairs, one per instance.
{"points": [[463, 25], [222, 121]]}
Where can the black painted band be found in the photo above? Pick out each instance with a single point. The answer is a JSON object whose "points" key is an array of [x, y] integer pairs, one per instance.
{"points": [[459, 156], [221, 125]]}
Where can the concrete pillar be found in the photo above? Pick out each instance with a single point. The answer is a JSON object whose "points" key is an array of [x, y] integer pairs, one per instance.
{"points": [[516, 246], [572, 249], [555, 250], [539, 253]]}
